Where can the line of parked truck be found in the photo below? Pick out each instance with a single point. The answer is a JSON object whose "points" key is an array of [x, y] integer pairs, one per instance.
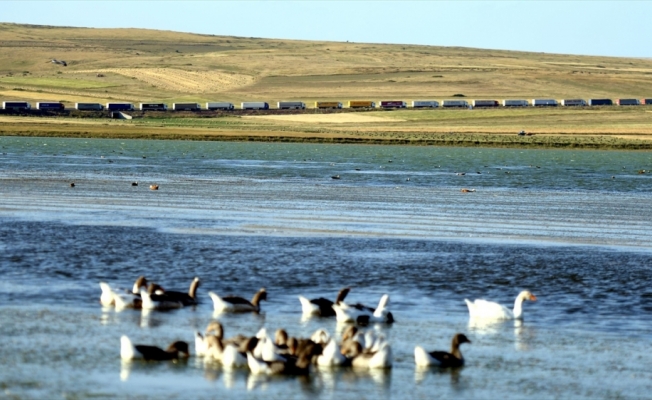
{"points": [[299, 105]]}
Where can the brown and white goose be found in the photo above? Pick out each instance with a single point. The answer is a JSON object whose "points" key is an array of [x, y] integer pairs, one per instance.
{"points": [[129, 351], [322, 306], [236, 303], [442, 359], [187, 299]]}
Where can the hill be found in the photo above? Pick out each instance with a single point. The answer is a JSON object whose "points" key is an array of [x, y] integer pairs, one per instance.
{"points": [[149, 65]]}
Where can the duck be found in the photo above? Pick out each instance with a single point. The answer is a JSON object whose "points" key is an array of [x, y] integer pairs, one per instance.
{"points": [[151, 300], [361, 314], [129, 351], [380, 359], [322, 306], [442, 359], [238, 304], [187, 299], [153, 187], [493, 311]]}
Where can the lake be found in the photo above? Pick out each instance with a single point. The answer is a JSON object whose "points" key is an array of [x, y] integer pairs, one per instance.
{"points": [[574, 227]]}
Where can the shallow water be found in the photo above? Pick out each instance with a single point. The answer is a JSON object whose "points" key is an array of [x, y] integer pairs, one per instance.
{"points": [[573, 227]]}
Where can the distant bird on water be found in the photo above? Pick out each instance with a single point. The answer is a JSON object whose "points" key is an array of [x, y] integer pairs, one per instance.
{"points": [[72, 184], [134, 183], [153, 187], [335, 177]]}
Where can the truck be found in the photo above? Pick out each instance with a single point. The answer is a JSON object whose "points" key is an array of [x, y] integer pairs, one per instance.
{"points": [[455, 104], [50, 106], [544, 103], [291, 105], [186, 107], [485, 103], [647, 102], [392, 104], [119, 106], [362, 104], [601, 102], [153, 107], [255, 105], [573, 102], [16, 105], [628, 102], [89, 106], [515, 103], [425, 104], [220, 105], [328, 104]]}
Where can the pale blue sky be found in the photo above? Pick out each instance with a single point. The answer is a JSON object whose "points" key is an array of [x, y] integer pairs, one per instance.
{"points": [[611, 28]]}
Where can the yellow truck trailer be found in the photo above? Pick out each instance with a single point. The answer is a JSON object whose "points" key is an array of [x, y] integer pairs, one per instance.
{"points": [[362, 104], [328, 104]]}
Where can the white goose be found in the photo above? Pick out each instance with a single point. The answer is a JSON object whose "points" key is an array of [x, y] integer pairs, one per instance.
{"points": [[365, 360], [362, 314], [489, 310], [331, 355]]}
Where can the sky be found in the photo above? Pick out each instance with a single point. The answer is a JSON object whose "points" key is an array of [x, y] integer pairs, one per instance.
{"points": [[587, 27]]}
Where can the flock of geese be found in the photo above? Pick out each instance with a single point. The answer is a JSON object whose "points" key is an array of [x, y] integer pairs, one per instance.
{"points": [[285, 354]]}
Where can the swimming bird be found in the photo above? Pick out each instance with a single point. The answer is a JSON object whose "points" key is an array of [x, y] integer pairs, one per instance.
{"points": [[187, 299], [331, 355], [493, 311], [292, 366], [72, 184], [362, 314], [176, 350], [368, 360], [153, 187], [238, 304], [442, 359], [153, 301], [322, 306], [120, 299], [335, 177], [134, 183]]}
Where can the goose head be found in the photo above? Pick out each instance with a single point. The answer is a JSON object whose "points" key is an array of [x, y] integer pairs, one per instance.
{"points": [[180, 348], [280, 337], [216, 328]]}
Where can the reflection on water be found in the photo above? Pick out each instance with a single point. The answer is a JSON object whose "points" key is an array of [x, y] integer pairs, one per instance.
{"points": [[245, 216]]}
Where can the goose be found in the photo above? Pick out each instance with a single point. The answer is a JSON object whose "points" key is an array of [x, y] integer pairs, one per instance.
{"points": [[293, 366], [232, 357], [494, 311], [366, 360], [175, 351], [331, 355], [320, 336], [153, 301], [187, 299], [321, 306], [442, 359], [238, 304], [111, 297], [363, 314], [153, 187]]}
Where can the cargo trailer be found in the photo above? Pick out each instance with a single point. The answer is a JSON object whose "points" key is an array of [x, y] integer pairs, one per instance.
{"points": [[328, 104], [515, 103], [16, 105], [573, 102], [393, 104], [186, 107], [627, 102], [647, 102], [220, 105], [455, 103], [362, 104], [50, 106], [544, 103], [89, 106], [153, 107], [119, 106], [255, 105], [485, 103], [291, 105], [601, 102], [425, 104]]}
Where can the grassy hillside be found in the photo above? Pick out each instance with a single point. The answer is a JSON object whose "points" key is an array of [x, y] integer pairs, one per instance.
{"points": [[148, 65]]}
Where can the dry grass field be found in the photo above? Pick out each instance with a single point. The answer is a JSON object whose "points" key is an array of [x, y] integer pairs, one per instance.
{"points": [[146, 65]]}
